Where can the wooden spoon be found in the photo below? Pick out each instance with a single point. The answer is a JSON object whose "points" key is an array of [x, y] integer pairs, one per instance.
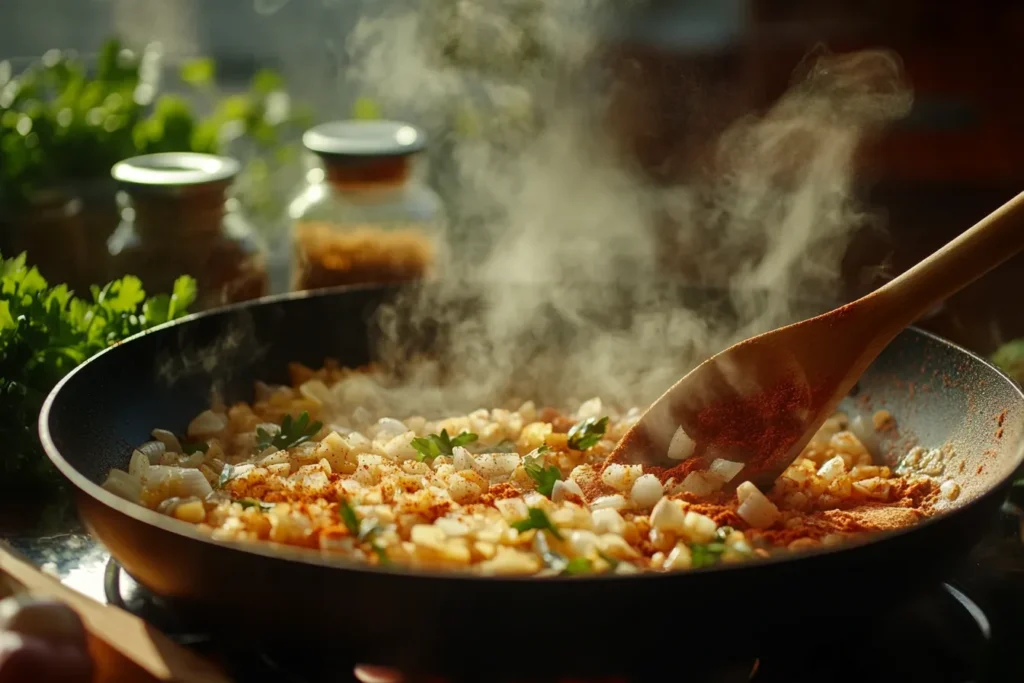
{"points": [[759, 402], [124, 648]]}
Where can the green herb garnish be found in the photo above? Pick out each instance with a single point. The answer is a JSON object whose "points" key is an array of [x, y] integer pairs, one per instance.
{"points": [[586, 433], [191, 447], [45, 331], [293, 432], [579, 565], [544, 476], [251, 503], [226, 475], [537, 519], [706, 554], [350, 518], [433, 445]]}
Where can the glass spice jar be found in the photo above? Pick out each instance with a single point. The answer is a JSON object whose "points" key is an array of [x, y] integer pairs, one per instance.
{"points": [[364, 217], [177, 218]]}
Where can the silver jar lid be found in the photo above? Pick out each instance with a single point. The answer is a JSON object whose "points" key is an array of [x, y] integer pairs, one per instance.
{"points": [[356, 138], [174, 171]]}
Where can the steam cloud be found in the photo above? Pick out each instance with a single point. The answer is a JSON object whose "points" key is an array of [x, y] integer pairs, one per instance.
{"points": [[550, 222]]}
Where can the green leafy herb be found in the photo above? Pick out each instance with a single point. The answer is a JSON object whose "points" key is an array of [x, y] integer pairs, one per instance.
{"points": [[350, 518], [226, 475], [537, 519], [45, 331], [579, 565], [293, 432], [706, 554], [190, 447], [252, 502], [544, 476], [586, 433], [433, 445]]}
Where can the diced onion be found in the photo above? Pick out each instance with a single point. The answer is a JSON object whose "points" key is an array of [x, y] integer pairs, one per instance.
{"points": [[608, 521], [207, 424], [679, 558], [139, 465], [701, 483], [122, 484], [614, 502], [647, 491], [667, 516], [726, 469], [389, 426], [462, 459], [699, 528], [566, 491], [755, 509], [621, 477], [317, 391], [832, 469], [682, 446], [154, 450], [592, 408]]}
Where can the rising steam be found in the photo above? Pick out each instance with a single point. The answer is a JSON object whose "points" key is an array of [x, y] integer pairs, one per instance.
{"points": [[551, 228]]}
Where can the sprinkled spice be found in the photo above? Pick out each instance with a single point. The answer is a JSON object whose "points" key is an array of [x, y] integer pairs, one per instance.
{"points": [[761, 426]]}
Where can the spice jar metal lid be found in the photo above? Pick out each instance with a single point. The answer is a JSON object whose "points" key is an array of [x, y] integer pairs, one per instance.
{"points": [[174, 171], [364, 139]]}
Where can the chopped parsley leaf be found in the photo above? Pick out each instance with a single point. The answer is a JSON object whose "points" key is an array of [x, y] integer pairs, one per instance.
{"points": [[350, 518], [706, 554], [586, 433], [433, 445], [294, 431], [579, 565], [537, 519], [251, 503], [544, 476]]}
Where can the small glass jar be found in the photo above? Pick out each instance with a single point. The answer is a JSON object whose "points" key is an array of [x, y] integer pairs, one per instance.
{"points": [[363, 216], [177, 219]]}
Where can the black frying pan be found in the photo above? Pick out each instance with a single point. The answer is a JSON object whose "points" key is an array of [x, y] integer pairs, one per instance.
{"points": [[940, 394]]}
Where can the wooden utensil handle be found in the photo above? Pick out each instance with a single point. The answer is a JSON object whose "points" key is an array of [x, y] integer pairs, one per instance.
{"points": [[124, 648], [992, 241]]}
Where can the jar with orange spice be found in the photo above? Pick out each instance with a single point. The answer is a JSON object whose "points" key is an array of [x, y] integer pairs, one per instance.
{"points": [[177, 218], [364, 217]]}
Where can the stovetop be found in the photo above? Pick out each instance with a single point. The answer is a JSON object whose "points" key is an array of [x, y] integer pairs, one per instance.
{"points": [[966, 630]]}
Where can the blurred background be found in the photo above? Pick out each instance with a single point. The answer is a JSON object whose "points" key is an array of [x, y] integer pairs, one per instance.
{"points": [[685, 69]]}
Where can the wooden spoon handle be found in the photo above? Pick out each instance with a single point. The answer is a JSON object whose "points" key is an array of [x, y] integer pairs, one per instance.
{"points": [[993, 240], [124, 648]]}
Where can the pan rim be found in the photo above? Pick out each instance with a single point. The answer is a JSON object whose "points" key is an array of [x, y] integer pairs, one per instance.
{"points": [[311, 557]]}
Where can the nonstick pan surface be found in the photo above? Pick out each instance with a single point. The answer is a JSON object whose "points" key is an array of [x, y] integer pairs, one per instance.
{"points": [[941, 395]]}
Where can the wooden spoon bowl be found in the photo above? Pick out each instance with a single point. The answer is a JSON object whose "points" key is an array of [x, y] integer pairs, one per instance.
{"points": [[759, 402]]}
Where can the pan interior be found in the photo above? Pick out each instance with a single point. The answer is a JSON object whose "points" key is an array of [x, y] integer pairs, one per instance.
{"points": [[940, 395]]}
